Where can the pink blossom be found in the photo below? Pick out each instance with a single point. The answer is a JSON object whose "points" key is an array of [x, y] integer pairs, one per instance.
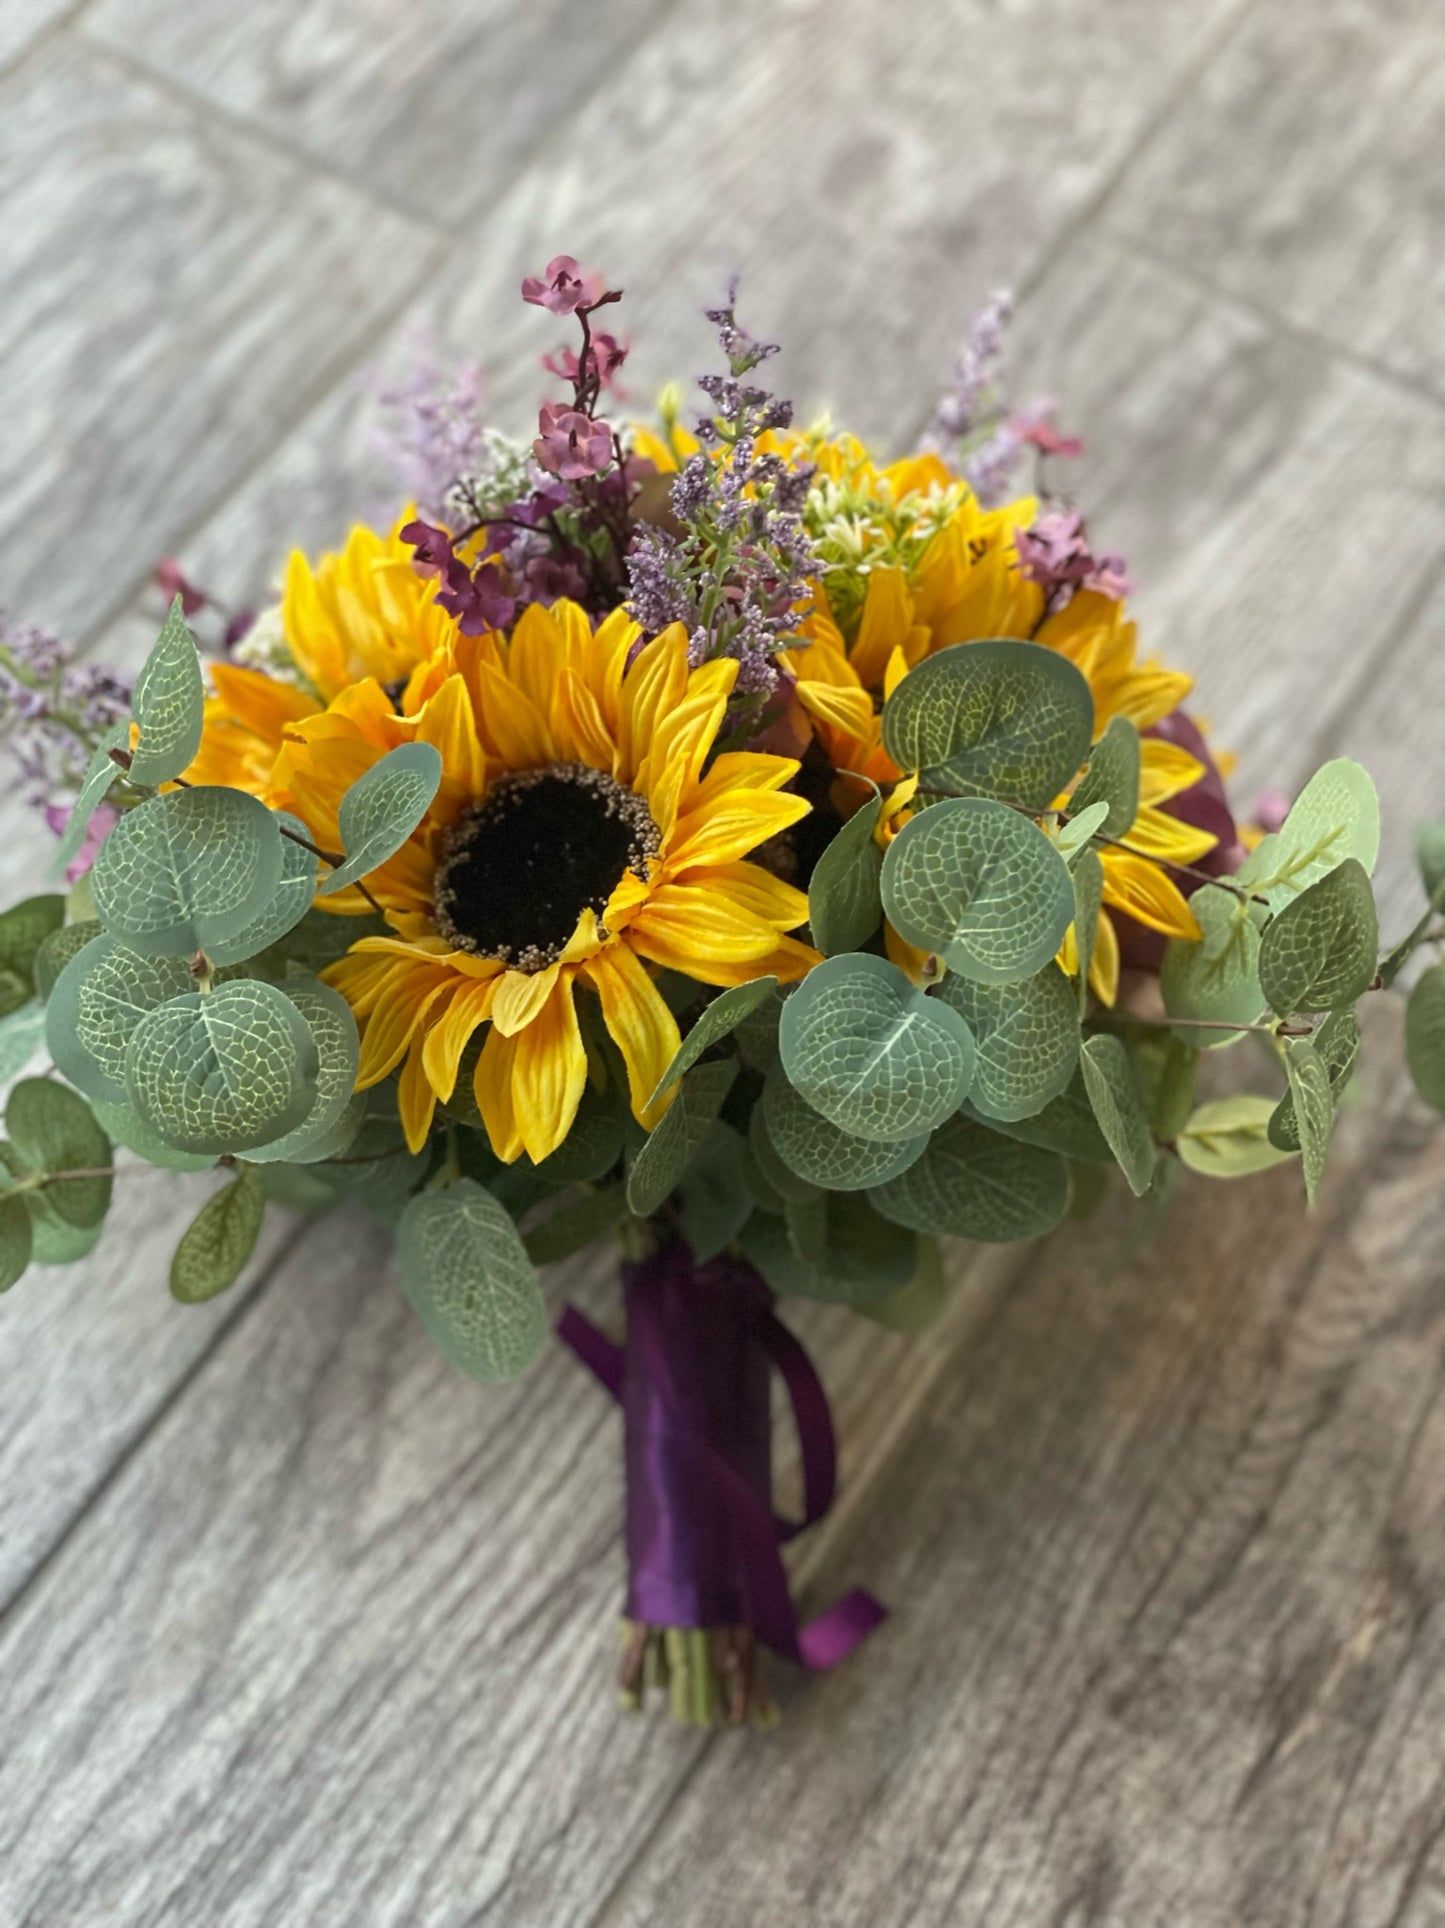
{"points": [[1054, 552], [1039, 432], [563, 288], [172, 583], [101, 824], [1270, 808], [571, 445], [608, 355]]}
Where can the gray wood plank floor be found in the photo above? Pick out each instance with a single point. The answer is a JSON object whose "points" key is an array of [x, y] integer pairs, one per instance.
{"points": [[296, 1628]]}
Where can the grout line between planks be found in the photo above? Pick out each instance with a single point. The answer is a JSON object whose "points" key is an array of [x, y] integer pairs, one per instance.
{"points": [[53, 30]]}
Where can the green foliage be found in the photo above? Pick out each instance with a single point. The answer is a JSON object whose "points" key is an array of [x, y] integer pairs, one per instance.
{"points": [[853, 1256], [844, 906], [225, 1070], [187, 870], [1071, 839], [1336, 1044], [17, 1239], [52, 1130], [100, 773], [773, 1181], [219, 1239], [467, 1273], [382, 808], [1314, 1108], [591, 1148], [975, 1183], [1430, 855], [58, 949], [1088, 876], [168, 705], [99, 999], [713, 1199], [876, 1057], [720, 1017], [1229, 1138], [318, 939], [579, 1223], [1335, 816], [679, 1136], [21, 1036], [24, 928], [121, 1124], [1109, 1081], [337, 1047], [1066, 1124], [1027, 1039], [1215, 977], [980, 885], [1010, 720], [1322, 950], [377, 1166], [813, 1148], [1164, 1067], [286, 909], [1425, 1036], [1112, 778], [917, 1305]]}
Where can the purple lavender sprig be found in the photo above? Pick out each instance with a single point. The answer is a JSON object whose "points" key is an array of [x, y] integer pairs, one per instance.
{"points": [[973, 422], [433, 435], [53, 710], [740, 561]]}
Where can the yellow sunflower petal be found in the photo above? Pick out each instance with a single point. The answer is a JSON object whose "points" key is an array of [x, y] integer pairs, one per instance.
{"points": [[1135, 885], [448, 1038], [549, 1072], [519, 996], [639, 1021], [691, 930], [416, 1101], [1154, 833], [754, 890], [1104, 963], [1165, 769], [733, 826], [492, 1088]]}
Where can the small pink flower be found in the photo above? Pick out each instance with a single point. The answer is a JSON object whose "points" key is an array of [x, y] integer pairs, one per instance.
{"points": [[172, 583], [571, 445], [1270, 809], [1042, 435], [608, 356], [563, 288], [100, 827]]}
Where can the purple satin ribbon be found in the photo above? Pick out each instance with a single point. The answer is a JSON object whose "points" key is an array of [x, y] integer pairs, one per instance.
{"points": [[693, 1382]]}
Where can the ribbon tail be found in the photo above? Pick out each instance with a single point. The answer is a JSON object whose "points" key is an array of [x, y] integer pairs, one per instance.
{"points": [[597, 1352]]}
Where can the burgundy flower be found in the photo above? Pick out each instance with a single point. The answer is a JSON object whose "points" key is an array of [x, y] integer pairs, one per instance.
{"points": [[563, 288], [608, 355], [433, 548], [571, 445], [172, 583], [1054, 552], [478, 599]]}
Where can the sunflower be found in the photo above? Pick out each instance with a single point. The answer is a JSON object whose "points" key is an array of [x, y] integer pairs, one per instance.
{"points": [[579, 836]]}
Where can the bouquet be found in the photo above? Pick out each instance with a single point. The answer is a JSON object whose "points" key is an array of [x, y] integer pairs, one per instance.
{"points": [[705, 839]]}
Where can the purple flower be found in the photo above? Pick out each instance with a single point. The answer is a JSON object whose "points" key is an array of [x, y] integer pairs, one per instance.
{"points": [[1054, 552], [172, 583], [571, 445], [608, 355], [106, 817], [563, 288], [432, 546], [434, 434]]}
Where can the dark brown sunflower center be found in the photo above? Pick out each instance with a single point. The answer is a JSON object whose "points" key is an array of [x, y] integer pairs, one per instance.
{"points": [[541, 847]]}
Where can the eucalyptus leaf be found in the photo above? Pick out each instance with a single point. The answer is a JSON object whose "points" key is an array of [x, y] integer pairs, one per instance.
{"points": [[382, 808], [713, 1199], [1430, 855], [24, 929], [17, 1240], [124, 1127], [168, 705], [1005, 719], [219, 1239], [99, 999], [21, 1036], [1071, 840], [1314, 1109], [1335, 816], [53, 1130], [1425, 1036], [577, 1224], [58, 949], [55, 1240], [1337, 1044], [224, 1070], [591, 1148], [467, 1273], [1322, 950], [975, 1183], [773, 1173], [877, 1057], [980, 885], [338, 1048], [100, 773], [1215, 977], [1027, 1039], [844, 907], [1109, 1081], [864, 1257], [1088, 876], [721, 1016], [1112, 778], [1165, 1067], [679, 1136], [917, 1305], [822, 1153], [1066, 1124], [1229, 1138], [187, 870], [287, 907]]}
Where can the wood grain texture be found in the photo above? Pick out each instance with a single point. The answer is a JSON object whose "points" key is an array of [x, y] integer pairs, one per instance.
{"points": [[22, 22], [1169, 1555], [174, 294], [429, 106], [1304, 171]]}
